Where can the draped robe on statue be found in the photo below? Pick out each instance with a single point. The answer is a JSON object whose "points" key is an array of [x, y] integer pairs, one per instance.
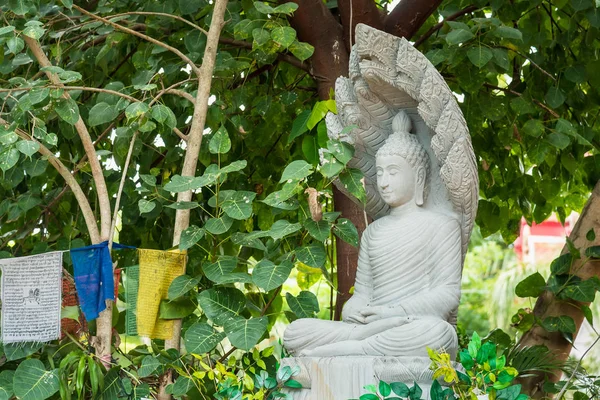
{"points": [[411, 263]]}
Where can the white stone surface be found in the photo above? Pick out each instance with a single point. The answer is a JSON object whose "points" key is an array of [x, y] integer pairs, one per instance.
{"points": [[343, 378]]}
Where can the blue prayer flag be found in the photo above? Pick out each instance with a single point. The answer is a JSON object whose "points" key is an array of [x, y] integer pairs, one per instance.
{"points": [[94, 280]]}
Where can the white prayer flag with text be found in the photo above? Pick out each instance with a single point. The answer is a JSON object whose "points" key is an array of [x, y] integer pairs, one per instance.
{"points": [[31, 298]]}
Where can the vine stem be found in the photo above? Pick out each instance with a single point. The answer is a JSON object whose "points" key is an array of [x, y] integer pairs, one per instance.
{"points": [[439, 25], [564, 389], [539, 103], [543, 71], [120, 191], [159, 14]]}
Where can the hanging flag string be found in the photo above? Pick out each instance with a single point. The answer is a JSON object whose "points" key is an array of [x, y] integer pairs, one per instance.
{"points": [[32, 288]]}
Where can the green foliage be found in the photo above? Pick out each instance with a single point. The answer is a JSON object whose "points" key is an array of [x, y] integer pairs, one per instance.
{"points": [[305, 305], [81, 376], [254, 375], [485, 372], [491, 270], [580, 386], [395, 390], [533, 359], [202, 338], [246, 231], [532, 286], [32, 381], [565, 285], [527, 89]]}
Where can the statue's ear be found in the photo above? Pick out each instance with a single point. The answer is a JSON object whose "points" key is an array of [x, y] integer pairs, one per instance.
{"points": [[420, 186]]}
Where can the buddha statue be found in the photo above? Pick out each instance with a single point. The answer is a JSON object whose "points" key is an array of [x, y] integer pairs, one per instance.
{"points": [[409, 269], [413, 147]]}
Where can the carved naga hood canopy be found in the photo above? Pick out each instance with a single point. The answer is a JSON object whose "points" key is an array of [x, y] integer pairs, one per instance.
{"points": [[387, 74]]}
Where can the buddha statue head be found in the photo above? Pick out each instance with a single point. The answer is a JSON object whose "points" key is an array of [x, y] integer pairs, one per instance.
{"points": [[402, 165]]}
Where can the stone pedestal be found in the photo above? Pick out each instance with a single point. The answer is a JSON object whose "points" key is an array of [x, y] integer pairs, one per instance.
{"points": [[343, 378]]}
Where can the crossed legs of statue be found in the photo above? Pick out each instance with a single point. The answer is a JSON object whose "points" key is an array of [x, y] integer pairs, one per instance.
{"points": [[397, 336]]}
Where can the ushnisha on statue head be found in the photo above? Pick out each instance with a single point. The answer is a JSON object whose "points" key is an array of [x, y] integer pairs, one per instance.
{"points": [[402, 166]]}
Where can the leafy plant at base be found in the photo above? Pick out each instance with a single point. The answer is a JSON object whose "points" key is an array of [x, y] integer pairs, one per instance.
{"points": [[255, 375], [393, 390], [81, 376], [486, 373]]}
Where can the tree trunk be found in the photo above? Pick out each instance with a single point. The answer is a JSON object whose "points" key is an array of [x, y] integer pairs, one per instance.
{"points": [[330, 61], [182, 217], [359, 12], [315, 24], [408, 16], [548, 305], [103, 340], [347, 255]]}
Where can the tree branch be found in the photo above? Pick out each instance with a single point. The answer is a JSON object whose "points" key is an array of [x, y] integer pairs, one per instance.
{"points": [[142, 27], [241, 81], [142, 36], [408, 17], [159, 14], [539, 103], [103, 339], [543, 71], [86, 140], [548, 304], [82, 200], [82, 88], [182, 217], [173, 86], [183, 94], [439, 25], [171, 89], [102, 38]]}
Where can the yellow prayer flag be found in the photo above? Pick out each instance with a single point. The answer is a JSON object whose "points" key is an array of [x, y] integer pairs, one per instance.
{"points": [[157, 270]]}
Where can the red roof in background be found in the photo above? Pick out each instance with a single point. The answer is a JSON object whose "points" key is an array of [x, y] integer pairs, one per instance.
{"points": [[544, 232]]}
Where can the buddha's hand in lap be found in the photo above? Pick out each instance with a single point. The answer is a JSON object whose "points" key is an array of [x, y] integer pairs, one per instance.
{"points": [[375, 313], [356, 318]]}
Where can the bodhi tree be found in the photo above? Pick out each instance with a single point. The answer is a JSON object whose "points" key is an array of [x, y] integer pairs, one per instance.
{"points": [[100, 94], [122, 101]]}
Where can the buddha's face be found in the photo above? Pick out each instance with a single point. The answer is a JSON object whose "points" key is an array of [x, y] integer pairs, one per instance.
{"points": [[395, 180]]}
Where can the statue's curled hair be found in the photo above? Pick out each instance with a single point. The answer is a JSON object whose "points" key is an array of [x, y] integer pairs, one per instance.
{"points": [[405, 144]]}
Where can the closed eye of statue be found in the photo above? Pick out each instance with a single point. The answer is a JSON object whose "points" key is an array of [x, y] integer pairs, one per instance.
{"points": [[394, 170]]}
